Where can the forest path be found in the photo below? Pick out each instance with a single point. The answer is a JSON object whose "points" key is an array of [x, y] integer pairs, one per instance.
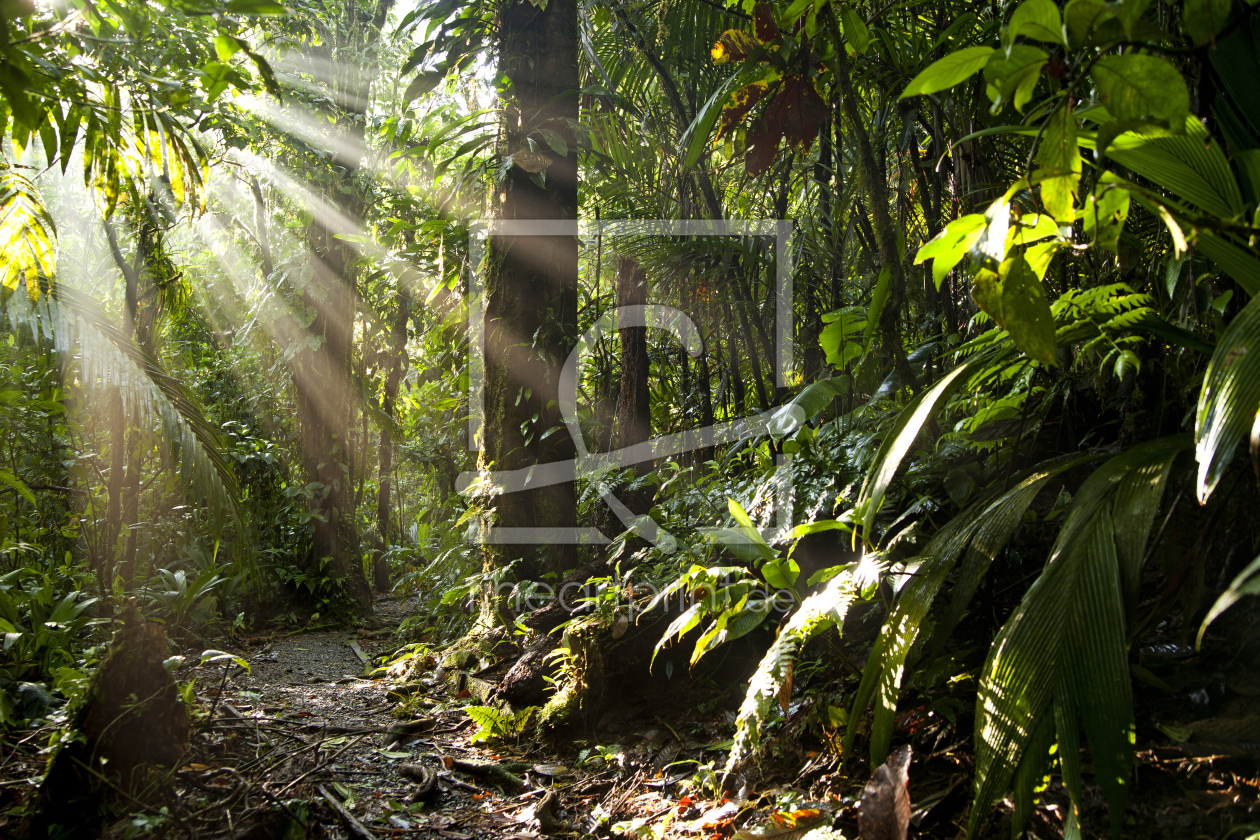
{"points": [[306, 726], [328, 728]]}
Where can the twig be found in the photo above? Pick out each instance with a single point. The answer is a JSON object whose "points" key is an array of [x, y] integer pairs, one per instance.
{"points": [[321, 765], [356, 828]]}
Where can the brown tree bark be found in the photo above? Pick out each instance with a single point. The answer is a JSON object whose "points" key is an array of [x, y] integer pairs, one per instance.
{"points": [[872, 182], [323, 368], [531, 283], [634, 416], [385, 459]]}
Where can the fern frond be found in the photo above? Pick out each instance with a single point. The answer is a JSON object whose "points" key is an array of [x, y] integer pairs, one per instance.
{"points": [[816, 613]]}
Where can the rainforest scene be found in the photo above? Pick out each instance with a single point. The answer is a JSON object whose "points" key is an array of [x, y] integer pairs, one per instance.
{"points": [[630, 419]]}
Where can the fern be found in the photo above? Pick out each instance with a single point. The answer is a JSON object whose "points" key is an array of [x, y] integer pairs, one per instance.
{"points": [[772, 683]]}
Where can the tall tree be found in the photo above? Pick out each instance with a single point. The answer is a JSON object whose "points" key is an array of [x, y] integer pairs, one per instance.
{"points": [[531, 283], [323, 370]]}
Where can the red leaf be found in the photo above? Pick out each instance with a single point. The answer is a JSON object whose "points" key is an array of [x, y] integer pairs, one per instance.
{"points": [[760, 154], [742, 101], [733, 45], [764, 26], [797, 113]]}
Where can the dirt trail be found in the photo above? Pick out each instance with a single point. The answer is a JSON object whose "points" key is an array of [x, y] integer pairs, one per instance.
{"points": [[307, 702]]}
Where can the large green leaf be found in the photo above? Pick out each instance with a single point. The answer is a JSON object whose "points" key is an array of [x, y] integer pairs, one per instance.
{"points": [[983, 529], [948, 247], [1141, 86], [949, 71], [1247, 583], [899, 440], [1038, 20], [1229, 398], [1015, 298], [1059, 157], [1065, 646], [1204, 18], [1011, 75]]}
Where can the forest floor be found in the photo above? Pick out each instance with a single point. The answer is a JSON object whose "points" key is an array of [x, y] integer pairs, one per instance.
{"points": [[315, 741]]}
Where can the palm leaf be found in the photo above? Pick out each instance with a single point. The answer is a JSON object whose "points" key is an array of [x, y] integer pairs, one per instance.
{"points": [[109, 356], [1247, 583], [1229, 397], [1065, 647], [983, 529], [899, 440]]}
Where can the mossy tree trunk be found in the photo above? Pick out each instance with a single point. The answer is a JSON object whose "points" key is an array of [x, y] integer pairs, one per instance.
{"points": [[531, 284]]}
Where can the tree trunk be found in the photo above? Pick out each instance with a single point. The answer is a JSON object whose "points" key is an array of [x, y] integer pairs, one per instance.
{"points": [[117, 466], [634, 415], [873, 184], [322, 383], [531, 283], [323, 370], [397, 363]]}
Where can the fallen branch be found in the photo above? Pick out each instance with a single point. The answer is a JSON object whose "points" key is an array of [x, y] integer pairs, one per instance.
{"points": [[356, 828], [489, 770]]}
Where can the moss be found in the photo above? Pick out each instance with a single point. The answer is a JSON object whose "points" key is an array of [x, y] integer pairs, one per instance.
{"points": [[581, 677]]}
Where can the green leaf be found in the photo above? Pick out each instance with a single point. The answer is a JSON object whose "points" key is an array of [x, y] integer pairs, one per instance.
{"points": [[750, 532], [949, 71], [1035, 19], [1081, 16], [899, 440], [257, 7], [17, 484], [697, 135], [209, 656], [420, 85], [1016, 300], [989, 248], [983, 529], [951, 245], [1064, 649], [879, 297], [1106, 210], [225, 46], [1137, 86], [1011, 76], [1060, 159], [855, 31], [1203, 19], [804, 406], [1229, 397], [1247, 583]]}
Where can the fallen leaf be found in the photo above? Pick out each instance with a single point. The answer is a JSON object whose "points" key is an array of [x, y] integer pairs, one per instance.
{"points": [[884, 812]]}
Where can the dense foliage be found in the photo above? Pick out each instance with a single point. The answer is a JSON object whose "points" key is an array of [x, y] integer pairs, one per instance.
{"points": [[238, 274]]}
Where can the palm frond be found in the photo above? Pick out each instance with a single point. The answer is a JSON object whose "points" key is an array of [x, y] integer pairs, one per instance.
{"points": [[1229, 397], [1065, 648], [109, 357], [983, 529]]}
